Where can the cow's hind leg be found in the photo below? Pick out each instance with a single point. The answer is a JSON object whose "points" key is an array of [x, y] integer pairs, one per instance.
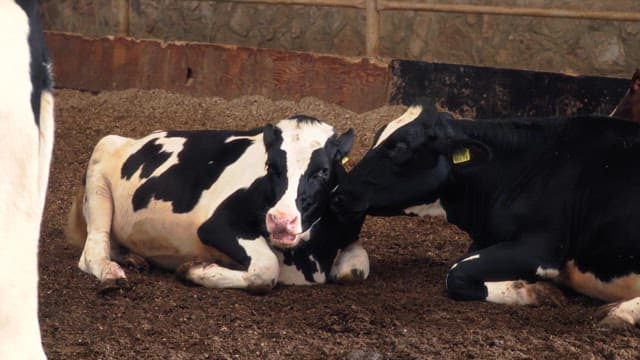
{"points": [[96, 255], [260, 277], [505, 273]]}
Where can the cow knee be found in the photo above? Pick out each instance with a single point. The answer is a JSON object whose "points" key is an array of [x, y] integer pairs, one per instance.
{"points": [[263, 273], [260, 283], [461, 286]]}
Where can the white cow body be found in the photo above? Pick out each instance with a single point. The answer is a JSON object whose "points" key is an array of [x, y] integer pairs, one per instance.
{"points": [[27, 139], [212, 206]]}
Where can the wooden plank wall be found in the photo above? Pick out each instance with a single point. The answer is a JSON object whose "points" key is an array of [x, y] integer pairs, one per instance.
{"points": [[97, 64], [358, 84]]}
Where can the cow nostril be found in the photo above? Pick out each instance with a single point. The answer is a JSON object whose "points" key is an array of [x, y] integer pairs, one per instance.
{"points": [[272, 218]]}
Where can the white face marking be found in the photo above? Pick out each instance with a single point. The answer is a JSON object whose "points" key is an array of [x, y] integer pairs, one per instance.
{"points": [[547, 273], [433, 209], [411, 114], [299, 141]]}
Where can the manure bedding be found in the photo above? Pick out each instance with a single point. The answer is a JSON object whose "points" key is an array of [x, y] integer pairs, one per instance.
{"points": [[400, 312]]}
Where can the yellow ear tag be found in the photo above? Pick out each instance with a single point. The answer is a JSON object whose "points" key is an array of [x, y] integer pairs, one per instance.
{"points": [[460, 156], [344, 160]]}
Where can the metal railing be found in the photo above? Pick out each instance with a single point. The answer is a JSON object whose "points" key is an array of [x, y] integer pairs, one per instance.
{"points": [[373, 8]]}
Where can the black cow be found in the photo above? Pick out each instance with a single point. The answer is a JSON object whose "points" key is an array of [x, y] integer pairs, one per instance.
{"points": [[543, 199], [629, 106], [26, 135], [225, 209]]}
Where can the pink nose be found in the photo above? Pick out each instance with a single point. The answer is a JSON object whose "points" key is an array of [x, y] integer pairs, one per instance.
{"points": [[278, 222]]}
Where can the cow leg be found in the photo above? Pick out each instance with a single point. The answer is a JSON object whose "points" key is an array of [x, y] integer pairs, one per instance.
{"points": [[620, 314], [260, 277], [96, 255], [502, 274], [351, 264], [130, 260]]}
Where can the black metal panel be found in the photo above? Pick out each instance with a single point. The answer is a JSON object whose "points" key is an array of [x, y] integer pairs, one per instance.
{"points": [[497, 93]]}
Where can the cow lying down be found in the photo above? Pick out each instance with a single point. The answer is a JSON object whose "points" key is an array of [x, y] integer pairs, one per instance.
{"points": [[225, 209], [543, 199]]}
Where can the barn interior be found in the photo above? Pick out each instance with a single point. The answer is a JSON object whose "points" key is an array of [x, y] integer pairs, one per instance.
{"points": [[130, 67]]}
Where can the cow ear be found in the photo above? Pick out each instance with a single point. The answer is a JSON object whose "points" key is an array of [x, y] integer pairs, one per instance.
{"points": [[341, 146], [468, 154], [271, 135]]}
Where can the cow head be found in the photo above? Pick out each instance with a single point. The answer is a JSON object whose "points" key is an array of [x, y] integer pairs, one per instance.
{"points": [[303, 161], [410, 162], [629, 106]]}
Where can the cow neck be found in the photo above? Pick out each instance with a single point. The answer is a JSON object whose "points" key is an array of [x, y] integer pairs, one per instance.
{"points": [[470, 197]]}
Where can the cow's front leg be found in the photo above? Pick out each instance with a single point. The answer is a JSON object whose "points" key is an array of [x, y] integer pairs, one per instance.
{"points": [[621, 314], [96, 255], [351, 264], [260, 277], [504, 274]]}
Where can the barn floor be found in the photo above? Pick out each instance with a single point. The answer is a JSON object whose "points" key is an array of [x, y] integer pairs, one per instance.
{"points": [[400, 312]]}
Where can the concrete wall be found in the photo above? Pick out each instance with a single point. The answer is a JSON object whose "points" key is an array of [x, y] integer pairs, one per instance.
{"points": [[581, 47]]}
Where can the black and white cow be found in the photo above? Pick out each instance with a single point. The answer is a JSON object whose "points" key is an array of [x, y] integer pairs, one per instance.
{"points": [[542, 199], [225, 209], [26, 132]]}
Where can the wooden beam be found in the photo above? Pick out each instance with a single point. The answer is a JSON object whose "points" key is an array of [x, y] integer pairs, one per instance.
{"points": [[122, 8], [513, 11], [372, 28], [359, 4]]}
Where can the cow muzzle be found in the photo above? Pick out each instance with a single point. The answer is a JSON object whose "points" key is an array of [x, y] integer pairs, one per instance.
{"points": [[284, 228]]}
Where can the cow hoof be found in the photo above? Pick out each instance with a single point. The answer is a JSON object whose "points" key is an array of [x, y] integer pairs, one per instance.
{"points": [[611, 318], [547, 294], [111, 270], [111, 285], [182, 271], [259, 285], [354, 276]]}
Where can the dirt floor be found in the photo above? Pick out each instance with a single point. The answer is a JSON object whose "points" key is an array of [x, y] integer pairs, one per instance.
{"points": [[400, 312]]}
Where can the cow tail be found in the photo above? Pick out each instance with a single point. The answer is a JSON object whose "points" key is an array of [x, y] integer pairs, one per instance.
{"points": [[76, 230]]}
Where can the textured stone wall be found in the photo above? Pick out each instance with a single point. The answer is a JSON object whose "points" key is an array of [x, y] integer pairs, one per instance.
{"points": [[584, 47]]}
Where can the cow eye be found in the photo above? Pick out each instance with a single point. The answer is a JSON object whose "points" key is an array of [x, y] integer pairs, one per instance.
{"points": [[321, 174], [400, 152]]}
